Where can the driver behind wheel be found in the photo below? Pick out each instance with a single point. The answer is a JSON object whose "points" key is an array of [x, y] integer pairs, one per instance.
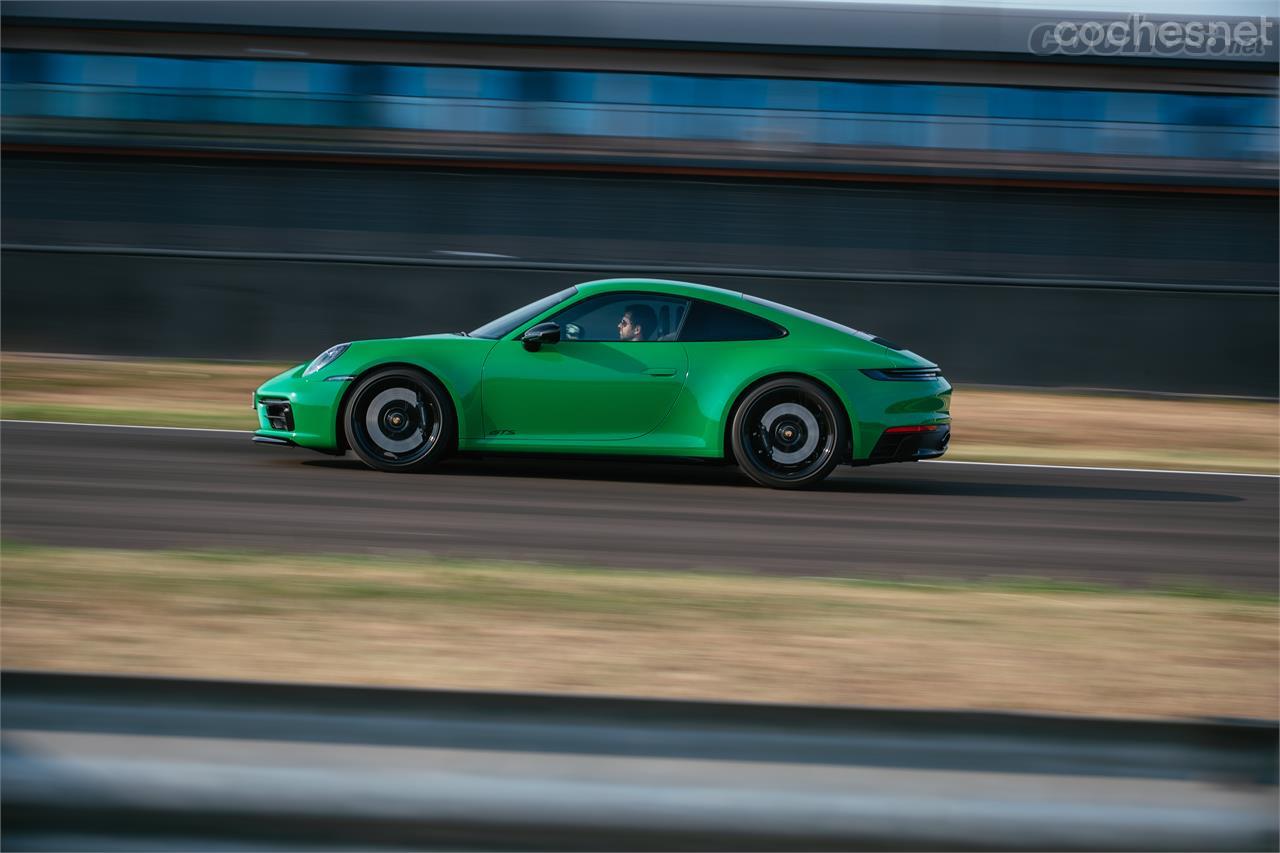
{"points": [[637, 324]]}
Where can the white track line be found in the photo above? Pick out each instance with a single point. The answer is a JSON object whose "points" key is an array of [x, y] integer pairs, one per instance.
{"points": [[926, 462], [1099, 468]]}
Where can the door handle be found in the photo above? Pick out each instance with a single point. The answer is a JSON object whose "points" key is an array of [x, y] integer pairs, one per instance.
{"points": [[661, 371]]}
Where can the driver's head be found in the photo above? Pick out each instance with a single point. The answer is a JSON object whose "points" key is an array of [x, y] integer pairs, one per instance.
{"points": [[637, 324]]}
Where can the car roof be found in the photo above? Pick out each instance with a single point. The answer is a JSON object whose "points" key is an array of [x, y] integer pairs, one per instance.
{"points": [[659, 285]]}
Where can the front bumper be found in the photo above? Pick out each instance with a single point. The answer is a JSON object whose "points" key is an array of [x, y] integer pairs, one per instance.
{"points": [[909, 446], [271, 439], [300, 411]]}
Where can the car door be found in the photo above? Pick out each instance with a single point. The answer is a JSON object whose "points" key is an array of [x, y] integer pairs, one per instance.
{"points": [[591, 386]]}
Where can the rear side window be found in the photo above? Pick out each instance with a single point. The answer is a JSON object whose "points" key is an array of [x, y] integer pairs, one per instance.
{"points": [[710, 322]]}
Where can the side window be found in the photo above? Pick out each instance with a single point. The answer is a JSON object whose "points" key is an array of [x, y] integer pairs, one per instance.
{"points": [[710, 322], [622, 317]]}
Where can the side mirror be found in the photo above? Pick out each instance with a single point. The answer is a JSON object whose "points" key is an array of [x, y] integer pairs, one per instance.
{"points": [[543, 333]]}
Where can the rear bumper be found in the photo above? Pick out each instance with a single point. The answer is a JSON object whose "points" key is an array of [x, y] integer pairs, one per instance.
{"points": [[909, 446]]}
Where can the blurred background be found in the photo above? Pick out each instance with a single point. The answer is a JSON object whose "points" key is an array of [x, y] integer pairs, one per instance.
{"points": [[195, 195], [260, 180]]}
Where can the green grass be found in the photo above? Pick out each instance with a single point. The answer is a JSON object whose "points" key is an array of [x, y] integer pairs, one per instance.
{"points": [[472, 580]]}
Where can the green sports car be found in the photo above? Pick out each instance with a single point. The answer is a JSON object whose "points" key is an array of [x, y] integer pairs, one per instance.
{"points": [[636, 367]]}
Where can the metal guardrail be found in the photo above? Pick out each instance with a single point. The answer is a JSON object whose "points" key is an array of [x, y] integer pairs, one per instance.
{"points": [[502, 262], [101, 762]]}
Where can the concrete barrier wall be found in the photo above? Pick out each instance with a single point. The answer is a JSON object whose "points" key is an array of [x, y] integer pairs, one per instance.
{"points": [[891, 229], [1170, 292], [1188, 342]]}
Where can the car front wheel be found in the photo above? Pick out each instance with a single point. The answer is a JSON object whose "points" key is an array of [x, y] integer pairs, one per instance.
{"points": [[788, 433], [399, 419]]}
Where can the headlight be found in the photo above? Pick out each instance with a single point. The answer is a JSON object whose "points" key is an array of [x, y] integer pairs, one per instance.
{"points": [[325, 359]]}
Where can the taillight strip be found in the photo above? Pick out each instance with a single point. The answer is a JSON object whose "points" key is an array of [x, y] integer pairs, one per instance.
{"points": [[902, 429]]}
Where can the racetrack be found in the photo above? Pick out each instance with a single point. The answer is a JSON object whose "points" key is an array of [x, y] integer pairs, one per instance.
{"points": [[88, 486]]}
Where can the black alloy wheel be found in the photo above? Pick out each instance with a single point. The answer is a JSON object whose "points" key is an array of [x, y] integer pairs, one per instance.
{"points": [[788, 433], [399, 419]]}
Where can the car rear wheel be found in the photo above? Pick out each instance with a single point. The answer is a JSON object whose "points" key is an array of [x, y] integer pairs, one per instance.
{"points": [[399, 419], [787, 433]]}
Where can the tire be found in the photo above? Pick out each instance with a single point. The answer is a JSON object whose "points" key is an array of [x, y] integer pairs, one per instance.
{"points": [[788, 433], [399, 419]]}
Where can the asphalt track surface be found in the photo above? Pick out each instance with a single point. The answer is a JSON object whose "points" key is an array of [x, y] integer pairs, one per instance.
{"points": [[86, 486]]}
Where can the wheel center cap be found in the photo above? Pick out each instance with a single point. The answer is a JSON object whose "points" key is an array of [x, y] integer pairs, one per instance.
{"points": [[788, 433], [396, 421]]}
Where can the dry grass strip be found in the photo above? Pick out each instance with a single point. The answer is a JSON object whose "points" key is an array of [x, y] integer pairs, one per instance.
{"points": [[400, 621]]}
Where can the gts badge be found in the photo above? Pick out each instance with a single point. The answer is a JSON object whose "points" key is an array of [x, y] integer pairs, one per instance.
{"points": [[502, 432]]}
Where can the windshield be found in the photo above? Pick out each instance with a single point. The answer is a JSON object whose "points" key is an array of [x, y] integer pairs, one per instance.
{"points": [[495, 329]]}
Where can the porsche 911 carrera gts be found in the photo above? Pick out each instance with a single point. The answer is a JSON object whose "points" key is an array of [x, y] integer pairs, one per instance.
{"points": [[635, 367]]}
